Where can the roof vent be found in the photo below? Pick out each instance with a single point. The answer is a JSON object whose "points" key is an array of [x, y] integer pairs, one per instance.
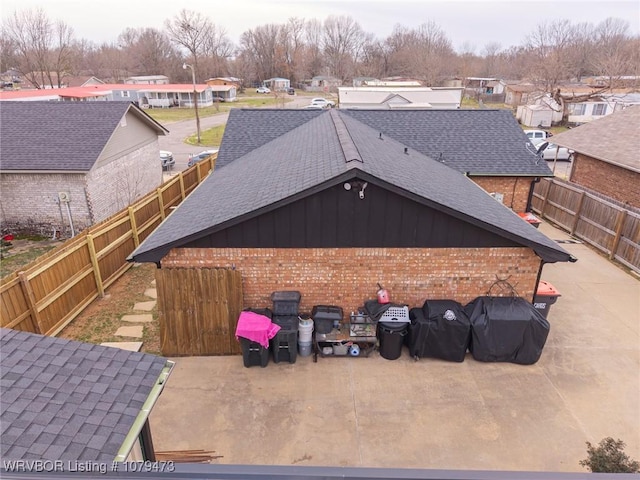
{"points": [[380, 136], [406, 150], [349, 148]]}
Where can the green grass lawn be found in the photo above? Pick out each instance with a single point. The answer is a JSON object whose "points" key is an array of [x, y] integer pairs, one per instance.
{"points": [[168, 115], [211, 137]]}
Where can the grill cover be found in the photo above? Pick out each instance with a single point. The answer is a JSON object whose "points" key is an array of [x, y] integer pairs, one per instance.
{"points": [[440, 329], [506, 329]]}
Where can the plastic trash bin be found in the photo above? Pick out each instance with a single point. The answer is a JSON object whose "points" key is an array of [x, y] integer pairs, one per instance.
{"points": [[530, 218], [391, 336], [546, 296]]}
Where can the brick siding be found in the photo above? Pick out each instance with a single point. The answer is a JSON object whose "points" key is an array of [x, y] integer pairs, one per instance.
{"points": [[30, 202], [616, 182], [120, 183], [347, 277], [515, 190]]}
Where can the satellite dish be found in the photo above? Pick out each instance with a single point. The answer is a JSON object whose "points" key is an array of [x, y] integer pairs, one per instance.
{"points": [[541, 147]]}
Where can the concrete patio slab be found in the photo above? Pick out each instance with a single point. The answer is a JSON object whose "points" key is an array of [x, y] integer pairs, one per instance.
{"points": [[145, 306], [138, 318], [134, 331], [431, 414]]}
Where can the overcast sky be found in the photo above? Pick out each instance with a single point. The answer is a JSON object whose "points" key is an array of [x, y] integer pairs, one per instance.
{"points": [[478, 23]]}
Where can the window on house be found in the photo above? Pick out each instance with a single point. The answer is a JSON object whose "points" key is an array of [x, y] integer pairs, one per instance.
{"points": [[599, 108], [124, 94], [577, 109]]}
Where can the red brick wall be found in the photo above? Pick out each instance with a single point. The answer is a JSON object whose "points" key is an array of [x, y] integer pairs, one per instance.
{"points": [[615, 182], [514, 189], [347, 277]]}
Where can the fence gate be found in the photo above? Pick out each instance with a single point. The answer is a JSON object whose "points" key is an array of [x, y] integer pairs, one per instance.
{"points": [[198, 310]]}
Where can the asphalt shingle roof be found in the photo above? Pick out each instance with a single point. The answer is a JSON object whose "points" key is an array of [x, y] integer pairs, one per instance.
{"points": [[58, 136], [66, 400], [315, 153], [613, 139], [477, 142]]}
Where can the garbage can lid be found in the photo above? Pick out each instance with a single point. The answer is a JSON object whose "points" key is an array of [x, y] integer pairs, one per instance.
{"points": [[545, 288], [394, 327]]}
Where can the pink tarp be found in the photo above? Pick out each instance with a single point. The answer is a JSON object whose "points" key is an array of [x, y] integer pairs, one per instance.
{"points": [[256, 327]]}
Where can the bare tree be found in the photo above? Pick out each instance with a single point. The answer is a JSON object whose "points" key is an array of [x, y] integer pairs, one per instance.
{"points": [[42, 48], [313, 38], [260, 46], [491, 52], [190, 31], [342, 41], [549, 47], [147, 51], [612, 55]]}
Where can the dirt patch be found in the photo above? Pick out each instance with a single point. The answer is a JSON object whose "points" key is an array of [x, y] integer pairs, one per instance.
{"points": [[100, 320], [21, 252]]}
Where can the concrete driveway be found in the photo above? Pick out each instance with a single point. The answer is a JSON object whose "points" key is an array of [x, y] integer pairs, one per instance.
{"points": [[372, 412]]}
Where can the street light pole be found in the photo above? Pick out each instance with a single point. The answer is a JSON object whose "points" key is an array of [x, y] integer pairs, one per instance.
{"points": [[195, 97]]}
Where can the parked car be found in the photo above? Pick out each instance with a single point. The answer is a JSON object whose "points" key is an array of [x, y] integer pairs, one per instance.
{"points": [[314, 106], [263, 90], [218, 98], [291, 91], [193, 159], [167, 160], [548, 152], [537, 135], [323, 102]]}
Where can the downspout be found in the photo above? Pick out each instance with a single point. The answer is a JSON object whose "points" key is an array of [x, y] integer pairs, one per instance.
{"points": [[143, 415], [535, 288], [530, 196]]}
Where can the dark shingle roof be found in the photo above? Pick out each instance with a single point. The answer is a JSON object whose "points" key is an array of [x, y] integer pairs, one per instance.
{"points": [[66, 400], [613, 139], [59, 136], [477, 142], [314, 154]]}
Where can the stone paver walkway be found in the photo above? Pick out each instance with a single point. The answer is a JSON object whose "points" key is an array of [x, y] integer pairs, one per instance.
{"points": [[136, 331]]}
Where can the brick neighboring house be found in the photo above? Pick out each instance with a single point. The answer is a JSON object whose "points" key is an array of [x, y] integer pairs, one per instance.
{"points": [[66, 166], [69, 401], [606, 155], [325, 204]]}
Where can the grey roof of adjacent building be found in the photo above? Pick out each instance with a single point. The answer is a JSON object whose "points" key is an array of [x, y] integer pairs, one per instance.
{"points": [[60, 136], [67, 400], [328, 149], [476, 142], [613, 139]]}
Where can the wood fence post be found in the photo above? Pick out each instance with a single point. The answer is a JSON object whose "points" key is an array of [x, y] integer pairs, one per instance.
{"points": [[31, 302], [622, 215], [182, 192], [134, 227], [160, 202], [95, 264], [546, 197], [198, 174], [577, 214]]}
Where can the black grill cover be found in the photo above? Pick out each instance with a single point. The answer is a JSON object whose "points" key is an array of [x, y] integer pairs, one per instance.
{"points": [[506, 329], [440, 329]]}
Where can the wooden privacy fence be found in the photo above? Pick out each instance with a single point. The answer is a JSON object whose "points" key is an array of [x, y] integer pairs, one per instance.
{"points": [[611, 228], [198, 310], [52, 290]]}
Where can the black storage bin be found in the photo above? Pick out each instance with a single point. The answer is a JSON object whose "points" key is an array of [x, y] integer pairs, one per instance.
{"points": [[253, 353], [324, 317], [284, 346], [286, 302], [391, 336], [440, 329], [506, 329]]}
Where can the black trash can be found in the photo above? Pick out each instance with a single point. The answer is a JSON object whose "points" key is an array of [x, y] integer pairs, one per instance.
{"points": [[546, 296], [391, 337]]}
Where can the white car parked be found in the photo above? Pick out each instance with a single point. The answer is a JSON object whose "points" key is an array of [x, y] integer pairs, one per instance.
{"points": [[323, 102], [263, 90], [548, 152]]}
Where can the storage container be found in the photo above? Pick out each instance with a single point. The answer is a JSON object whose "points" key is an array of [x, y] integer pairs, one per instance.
{"points": [[324, 317], [253, 353], [286, 302]]}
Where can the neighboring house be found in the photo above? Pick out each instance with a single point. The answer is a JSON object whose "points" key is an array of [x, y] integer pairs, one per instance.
{"points": [[478, 85], [225, 81], [324, 83], [389, 98], [393, 82], [228, 93], [600, 106], [328, 204], [68, 401], [83, 81], [143, 95], [518, 94], [68, 165], [362, 81], [148, 80], [277, 84], [606, 155]]}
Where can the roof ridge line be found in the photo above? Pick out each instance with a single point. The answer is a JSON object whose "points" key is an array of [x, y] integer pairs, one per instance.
{"points": [[349, 148]]}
